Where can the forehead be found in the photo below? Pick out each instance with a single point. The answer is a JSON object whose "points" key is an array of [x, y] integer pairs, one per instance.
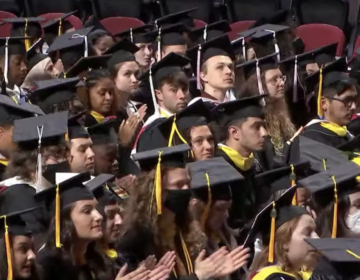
{"points": [[200, 130], [218, 59], [129, 65], [305, 221], [252, 120], [272, 72], [176, 174]]}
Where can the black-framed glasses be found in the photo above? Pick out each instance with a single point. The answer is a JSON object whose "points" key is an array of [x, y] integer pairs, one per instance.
{"points": [[347, 101]]}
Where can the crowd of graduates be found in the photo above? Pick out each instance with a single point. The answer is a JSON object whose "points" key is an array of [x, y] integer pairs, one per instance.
{"points": [[170, 152]]}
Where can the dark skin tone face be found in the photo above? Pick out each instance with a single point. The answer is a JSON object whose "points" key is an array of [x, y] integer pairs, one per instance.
{"points": [[105, 158], [17, 70]]}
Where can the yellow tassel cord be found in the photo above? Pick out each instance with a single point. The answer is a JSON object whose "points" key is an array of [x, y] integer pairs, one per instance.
{"points": [[272, 234], [334, 227], [8, 250], [64, 75], [157, 186], [66, 136], [205, 214], [353, 254], [13, 98], [189, 264], [324, 164], [60, 27], [57, 218], [293, 184], [319, 110], [27, 41], [174, 130]]}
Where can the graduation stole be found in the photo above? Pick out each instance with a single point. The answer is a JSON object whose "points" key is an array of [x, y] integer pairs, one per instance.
{"points": [[98, 117], [265, 272], [164, 114], [240, 162], [4, 162], [337, 129]]}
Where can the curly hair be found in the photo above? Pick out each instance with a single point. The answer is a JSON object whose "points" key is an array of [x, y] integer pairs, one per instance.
{"points": [[94, 258], [140, 212], [23, 162]]}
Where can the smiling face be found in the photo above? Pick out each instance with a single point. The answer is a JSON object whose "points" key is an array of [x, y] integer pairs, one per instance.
{"points": [[113, 223]]}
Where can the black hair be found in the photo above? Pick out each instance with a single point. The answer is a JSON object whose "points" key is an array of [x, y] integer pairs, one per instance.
{"points": [[94, 38]]}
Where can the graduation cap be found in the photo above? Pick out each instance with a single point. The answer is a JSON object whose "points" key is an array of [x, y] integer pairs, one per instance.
{"points": [[225, 113], [209, 31], [50, 170], [273, 216], [95, 23], [75, 128], [122, 51], [166, 67], [56, 27], [62, 195], [12, 46], [329, 185], [138, 35], [103, 133], [182, 17], [11, 111], [211, 180], [283, 178], [87, 63], [55, 91], [34, 54], [325, 54], [328, 76], [13, 225], [219, 46], [70, 45], [196, 114], [170, 157], [26, 27]]}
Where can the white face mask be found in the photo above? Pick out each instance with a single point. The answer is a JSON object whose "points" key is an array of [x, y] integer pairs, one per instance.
{"points": [[353, 221]]}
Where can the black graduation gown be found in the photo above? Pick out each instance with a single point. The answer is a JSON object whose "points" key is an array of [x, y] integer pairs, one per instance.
{"points": [[323, 135], [2, 170], [89, 120], [54, 267], [268, 159]]}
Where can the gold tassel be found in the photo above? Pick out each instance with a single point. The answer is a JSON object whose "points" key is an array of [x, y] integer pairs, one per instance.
{"points": [[171, 137], [64, 75], [189, 264], [293, 184], [8, 251], [319, 110], [205, 214], [27, 41], [353, 254], [324, 164], [272, 234], [57, 218], [158, 185], [66, 136], [60, 27], [334, 227]]}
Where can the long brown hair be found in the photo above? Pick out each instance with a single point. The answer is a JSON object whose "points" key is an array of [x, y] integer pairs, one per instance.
{"points": [[141, 212]]}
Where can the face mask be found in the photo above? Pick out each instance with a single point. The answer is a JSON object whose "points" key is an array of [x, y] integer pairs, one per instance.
{"points": [[177, 201], [353, 222], [51, 170]]}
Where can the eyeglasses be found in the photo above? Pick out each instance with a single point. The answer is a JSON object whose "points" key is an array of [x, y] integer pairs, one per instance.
{"points": [[276, 79], [347, 101]]}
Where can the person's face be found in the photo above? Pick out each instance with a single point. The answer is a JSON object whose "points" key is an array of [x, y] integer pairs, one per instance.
{"points": [[251, 134], [178, 49], [113, 223], [106, 159], [81, 155], [250, 54], [103, 44], [311, 68], [202, 142], [173, 97], [6, 144], [340, 108], [219, 73], [17, 69], [176, 179], [23, 256], [126, 80], [354, 203], [143, 56], [275, 83], [298, 251], [101, 96], [218, 215], [58, 65], [87, 220]]}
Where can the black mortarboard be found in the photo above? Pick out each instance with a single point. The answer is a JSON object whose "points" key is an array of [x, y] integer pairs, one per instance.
{"points": [[75, 129], [11, 111], [265, 63], [277, 213], [31, 132], [267, 32], [137, 35], [103, 133], [215, 47], [239, 109], [71, 46], [55, 91], [56, 27], [122, 51], [283, 178], [213, 175], [26, 27], [50, 170], [210, 31], [170, 157], [182, 17], [171, 35], [195, 114], [351, 145], [64, 194], [104, 194], [354, 126], [94, 22], [88, 63], [34, 54], [325, 54]]}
